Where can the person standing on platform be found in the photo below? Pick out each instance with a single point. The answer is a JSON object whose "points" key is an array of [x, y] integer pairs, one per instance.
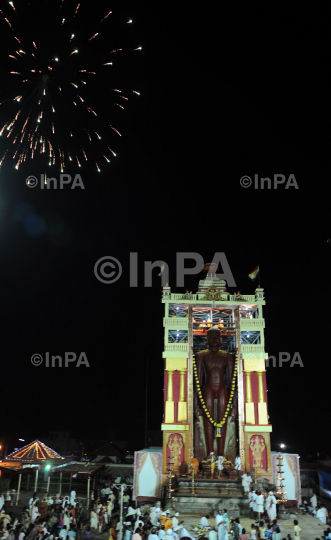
{"points": [[254, 499], [237, 464], [245, 482], [220, 463], [272, 510], [259, 502], [250, 498]]}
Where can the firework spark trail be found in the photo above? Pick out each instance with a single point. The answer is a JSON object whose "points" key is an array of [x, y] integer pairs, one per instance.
{"points": [[41, 91]]}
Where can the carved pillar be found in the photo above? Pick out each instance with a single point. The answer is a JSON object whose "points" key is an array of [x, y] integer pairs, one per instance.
{"points": [[249, 405], [170, 404], [262, 406], [182, 405]]}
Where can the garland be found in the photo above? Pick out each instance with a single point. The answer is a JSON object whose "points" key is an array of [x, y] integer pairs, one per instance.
{"points": [[227, 410]]}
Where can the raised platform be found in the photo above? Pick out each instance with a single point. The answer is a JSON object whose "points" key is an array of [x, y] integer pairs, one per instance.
{"points": [[209, 496]]}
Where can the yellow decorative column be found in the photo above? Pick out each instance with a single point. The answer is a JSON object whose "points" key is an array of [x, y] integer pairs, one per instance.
{"points": [[249, 405], [170, 404], [182, 405], [262, 406]]}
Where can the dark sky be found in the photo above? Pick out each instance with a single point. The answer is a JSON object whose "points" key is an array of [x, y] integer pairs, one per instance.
{"points": [[226, 91]]}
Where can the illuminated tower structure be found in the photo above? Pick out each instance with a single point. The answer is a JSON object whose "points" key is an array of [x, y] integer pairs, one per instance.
{"points": [[187, 318]]}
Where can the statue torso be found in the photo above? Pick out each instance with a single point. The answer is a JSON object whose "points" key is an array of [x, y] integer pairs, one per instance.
{"points": [[214, 363]]}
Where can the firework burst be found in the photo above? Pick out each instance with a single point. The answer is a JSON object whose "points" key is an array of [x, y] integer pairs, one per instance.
{"points": [[59, 82]]}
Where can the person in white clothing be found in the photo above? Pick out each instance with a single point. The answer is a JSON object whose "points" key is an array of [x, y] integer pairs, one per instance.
{"points": [[2, 501], [212, 534], [204, 521], [272, 510], [321, 514], [220, 462], [250, 498], [175, 535], [153, 518], [237, 463], [245, 482], [34, 513], [219, 517], [222, 531], [174, 521], [72, 497], [254, 498], [153, 535], [259, 502], [169, 535], [138, 523], [131, 511], [184, 532], [161, 533]]}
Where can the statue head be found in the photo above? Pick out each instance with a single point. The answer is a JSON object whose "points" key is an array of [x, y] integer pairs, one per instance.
{"points": [[214, 338]]}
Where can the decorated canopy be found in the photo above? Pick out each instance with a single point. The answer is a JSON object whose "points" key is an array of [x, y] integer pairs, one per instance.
{"points": [[33, 452]]}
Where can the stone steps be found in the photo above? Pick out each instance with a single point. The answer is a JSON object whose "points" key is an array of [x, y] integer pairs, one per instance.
{"points": [[209, 496]]}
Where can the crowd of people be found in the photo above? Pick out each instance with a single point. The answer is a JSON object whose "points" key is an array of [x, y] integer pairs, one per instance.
{"points": [[65, 518]]}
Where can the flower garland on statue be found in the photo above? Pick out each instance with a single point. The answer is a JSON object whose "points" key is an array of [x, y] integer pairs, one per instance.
{"points": [[227, 410]]}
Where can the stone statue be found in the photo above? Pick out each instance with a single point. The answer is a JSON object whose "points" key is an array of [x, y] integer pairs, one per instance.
{"points": [[214, 363]]}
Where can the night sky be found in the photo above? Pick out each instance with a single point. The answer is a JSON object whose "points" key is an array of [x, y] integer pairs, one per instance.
{"points": [[226, 91]]}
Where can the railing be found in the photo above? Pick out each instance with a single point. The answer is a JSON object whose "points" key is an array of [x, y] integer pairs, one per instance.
{"points": [[252, 348], [252, 323], [195, 297], [181, 297], [243, 298], [176, 347], [175, 322]]}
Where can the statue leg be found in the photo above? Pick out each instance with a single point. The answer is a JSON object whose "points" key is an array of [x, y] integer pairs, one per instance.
{"points": [[208, 396], [222, 401]]}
